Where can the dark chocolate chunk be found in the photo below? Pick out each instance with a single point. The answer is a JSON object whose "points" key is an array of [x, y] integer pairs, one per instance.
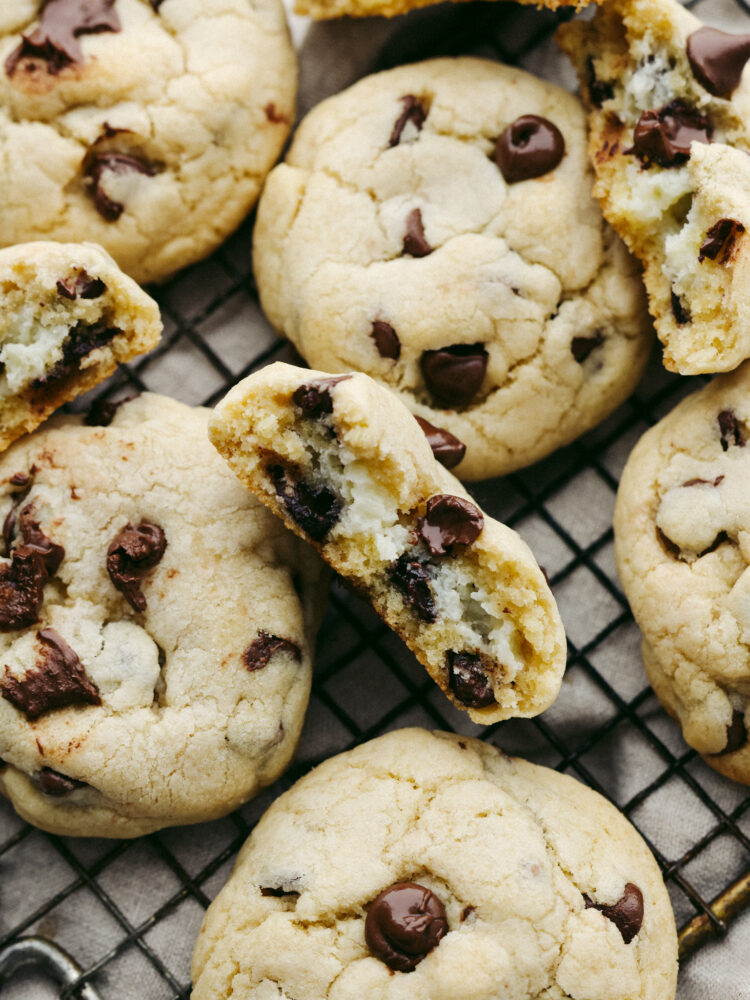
{"points": [[581, 347], [414, 112], [449, 521], [680, 311], [131, 552], [9, 524], [57, 680], [468, 681], [668, 545], [314, 508], [736, 734], [415, 241], [404, 923], [717, 59], [34, 539], [719, 241], [454, 375], [529, 147], [599, 90], [20, 479], [412, 578], [386, 340], [55, 39], [82, 285], [80, 342], [102, 411], [260, 650], [97, 164], [314, 398], [446, 448], [21, 589], [626, 914], [53, 783], [731, 430], [664, 136]]}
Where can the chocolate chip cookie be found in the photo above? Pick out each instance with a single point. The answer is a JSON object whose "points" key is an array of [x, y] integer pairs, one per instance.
{"points": [[681, 533], [443, 870], [68, 315], [434, 227], [347, 467], [155, 627], [145, 125], [669, 111]]}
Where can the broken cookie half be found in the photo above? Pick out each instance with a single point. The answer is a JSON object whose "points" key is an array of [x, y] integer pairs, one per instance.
{"points": [[68, 316], [348, 468]]}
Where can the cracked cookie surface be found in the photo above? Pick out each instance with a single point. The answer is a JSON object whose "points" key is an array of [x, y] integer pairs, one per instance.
{"points": [[433, 226], [156, 627], [146, 127], [540, 881], [682, 536]]}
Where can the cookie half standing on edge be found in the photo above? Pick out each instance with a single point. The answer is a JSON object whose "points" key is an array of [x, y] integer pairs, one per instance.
{"points": [[147, 126], [669, 112], [156, 627], [434, 227], [347, 467], [68, 317], [444, 870], [682, 530]]}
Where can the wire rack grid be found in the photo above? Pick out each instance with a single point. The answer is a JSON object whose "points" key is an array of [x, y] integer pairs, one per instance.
{"points": [[128, 911]]}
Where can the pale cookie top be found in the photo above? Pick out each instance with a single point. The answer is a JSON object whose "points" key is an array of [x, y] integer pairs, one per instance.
{"points": [[522, 883], [155, 649], [434, 227], [682, 529], [145, 126]]}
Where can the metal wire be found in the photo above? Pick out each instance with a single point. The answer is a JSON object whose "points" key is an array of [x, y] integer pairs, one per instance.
{"points": [[704, 898]]}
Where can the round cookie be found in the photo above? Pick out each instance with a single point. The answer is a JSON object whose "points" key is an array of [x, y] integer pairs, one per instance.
{"points": [[444, 870], [147, 126], [156, 627], [682, 540], [433, 226]]}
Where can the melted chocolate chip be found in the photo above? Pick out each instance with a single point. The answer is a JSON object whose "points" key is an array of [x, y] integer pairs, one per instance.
{"points": [[668, 545], [664, 136], [131, 552], [83, 286], [80, 342], [719, 540], [446, 448], [626, 914], [314, 398], [467, 910], [55, 40], [98, 164], [581, 347], [57, 680], [449, 521], [468, 681], [415, 242], [454, 375], [260, 650], [731, 430], [736, 734], [314, 508], [21, 589], [414, 112], [719, 241], [404, 923], [386, 340], [20, 479], [599, 90], [680, 311], [9, 524], [34, 539], [276, 892], [702, 482], [529, 147], [717, 59], [102, 411], [412, 578], [53, 783]]}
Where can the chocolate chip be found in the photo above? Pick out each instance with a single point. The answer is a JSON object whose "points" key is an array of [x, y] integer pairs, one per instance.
{"points": [[415, 242], [446, 448], [412, 578], [702, 482], [34, 539], [719, 241], [731, 431], [102, 411], [719, 540], [83, 286], [53, 783], [529, 147], [96, 165], [131, 552], [386, 340], [286, 887], [404, 923], [260, 650], [20, 479], [273, 114], [21, 589], [599, 90], [668, 545], [680, 311], [414, 112], [664, 136], [626, 914], [581, 347], [57, 680], [9, 524], [454, 375], [468, 680], [314, 398], [55, 39], [449, 521], [467, 910], [736, 734], [80, 342], [314, 508], [717, 59], [156, 4]]}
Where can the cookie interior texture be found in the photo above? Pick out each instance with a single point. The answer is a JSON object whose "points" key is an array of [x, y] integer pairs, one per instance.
{"points": [[682, 553], [156, 627], [68, 316], [351, 472], [390, 241], [533, 871], [682, 208]]}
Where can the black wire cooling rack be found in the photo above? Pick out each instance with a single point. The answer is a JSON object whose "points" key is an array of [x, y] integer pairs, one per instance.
{"points": [[127, 912]]}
